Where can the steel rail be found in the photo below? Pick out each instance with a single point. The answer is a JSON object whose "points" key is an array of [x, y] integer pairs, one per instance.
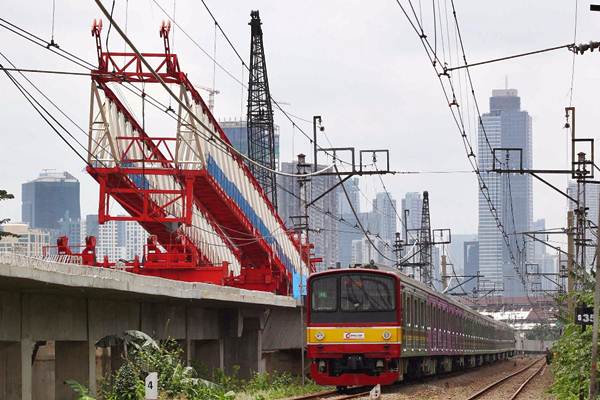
{"points": [[317, 395], [330, 394], [520, 389], [502, 380]]}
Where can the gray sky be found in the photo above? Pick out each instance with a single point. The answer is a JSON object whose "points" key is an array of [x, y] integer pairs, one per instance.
{"points": [[356, 63]]}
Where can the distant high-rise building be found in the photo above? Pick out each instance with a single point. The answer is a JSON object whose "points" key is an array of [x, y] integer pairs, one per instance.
{"points": [[50, 198], [321, 218], [542, 262], [413, 202], [30, 242], [363, 252], [471, 266], [505, 126], [91, 225], [353, 189], [384, 224], [71, 228], [237, 133], [120, 240], [456, 251], [348, 232]]}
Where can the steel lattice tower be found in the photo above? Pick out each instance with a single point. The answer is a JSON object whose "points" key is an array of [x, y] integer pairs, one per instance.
{"points": [[425, 243], [261, 130]]}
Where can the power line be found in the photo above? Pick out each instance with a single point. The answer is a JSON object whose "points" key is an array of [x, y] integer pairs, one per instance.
{"points": [[244, 67], [457, 116]]}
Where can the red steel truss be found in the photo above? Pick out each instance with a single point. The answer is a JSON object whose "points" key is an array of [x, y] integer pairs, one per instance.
{"points": [[137, 161]]}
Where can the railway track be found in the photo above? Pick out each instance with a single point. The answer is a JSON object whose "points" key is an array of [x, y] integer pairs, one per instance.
{"points": [[489, 389], [330, 395]]}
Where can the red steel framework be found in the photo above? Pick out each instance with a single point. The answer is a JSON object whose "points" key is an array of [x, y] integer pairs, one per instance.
{"points": [[137, 160]]}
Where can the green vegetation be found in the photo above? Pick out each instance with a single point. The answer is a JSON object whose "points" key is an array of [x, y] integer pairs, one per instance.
{"points": [[4, 195], [175, 381], [572, 356]]}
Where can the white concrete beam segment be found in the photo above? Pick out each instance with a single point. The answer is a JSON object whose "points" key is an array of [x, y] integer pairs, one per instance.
{"points": [[71, 275]]}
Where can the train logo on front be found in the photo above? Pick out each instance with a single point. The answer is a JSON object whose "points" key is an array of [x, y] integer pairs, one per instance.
{"points": [[354, 335]]}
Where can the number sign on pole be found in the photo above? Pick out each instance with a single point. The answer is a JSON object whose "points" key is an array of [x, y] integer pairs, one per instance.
{"points": [[584, 316]]}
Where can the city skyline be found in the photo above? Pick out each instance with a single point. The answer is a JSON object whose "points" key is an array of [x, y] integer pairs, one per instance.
{"points": [[424, 119]]}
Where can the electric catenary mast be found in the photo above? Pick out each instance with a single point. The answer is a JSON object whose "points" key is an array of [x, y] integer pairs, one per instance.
{"points": [[425, 243], [261, 130]]}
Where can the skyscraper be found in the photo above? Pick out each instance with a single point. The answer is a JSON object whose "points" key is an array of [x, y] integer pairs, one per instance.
{"points": [[471, 266], [237, 133], [324, 228], [413, 203], [348, 234], [384, 224], [118, 239], [505, 126], [352, 187], [49, 198]]}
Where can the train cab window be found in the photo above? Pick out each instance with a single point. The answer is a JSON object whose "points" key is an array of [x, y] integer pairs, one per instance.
{"points": [[360, 292], [324, 294]]}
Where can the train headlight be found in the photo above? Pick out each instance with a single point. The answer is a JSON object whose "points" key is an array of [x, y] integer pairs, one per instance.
{"points": [[387, 335], [319, 336]]}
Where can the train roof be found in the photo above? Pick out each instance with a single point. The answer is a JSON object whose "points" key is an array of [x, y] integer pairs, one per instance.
{"points": [[406, 280]]}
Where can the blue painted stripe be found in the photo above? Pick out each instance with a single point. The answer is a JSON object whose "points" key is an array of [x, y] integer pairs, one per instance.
{"points": [[234, 193]]}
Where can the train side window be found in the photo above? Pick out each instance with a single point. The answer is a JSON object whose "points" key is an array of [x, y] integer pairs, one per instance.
{"points": [[404, 309], [417, 317], [410, 311]]}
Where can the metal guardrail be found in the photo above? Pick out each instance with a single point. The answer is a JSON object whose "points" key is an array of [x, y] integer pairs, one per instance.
{"points": [[21, 260]]}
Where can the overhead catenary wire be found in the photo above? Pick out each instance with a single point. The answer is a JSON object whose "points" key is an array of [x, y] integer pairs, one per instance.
{"points": [[457, 116], [244, 67], [186, 108]]}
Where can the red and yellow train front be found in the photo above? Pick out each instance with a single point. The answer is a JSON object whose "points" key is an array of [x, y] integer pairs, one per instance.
{"points": [[353, 327]]}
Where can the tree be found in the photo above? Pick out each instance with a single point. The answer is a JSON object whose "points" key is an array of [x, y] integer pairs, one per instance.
{"points": [[4, 195]]}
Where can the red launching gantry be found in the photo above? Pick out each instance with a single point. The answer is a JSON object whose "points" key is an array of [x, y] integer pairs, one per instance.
{"points": [[208, 218]]}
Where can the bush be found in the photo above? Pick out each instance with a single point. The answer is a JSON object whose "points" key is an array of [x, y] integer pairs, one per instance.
{"points": [[572, 356]]}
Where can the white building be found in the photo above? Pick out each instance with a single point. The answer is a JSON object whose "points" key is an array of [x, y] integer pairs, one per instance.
{"points": [[30, 242], [120, 240]]}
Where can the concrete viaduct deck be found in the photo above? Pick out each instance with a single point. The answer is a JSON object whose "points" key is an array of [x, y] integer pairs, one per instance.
{"points": [[52, 316]]}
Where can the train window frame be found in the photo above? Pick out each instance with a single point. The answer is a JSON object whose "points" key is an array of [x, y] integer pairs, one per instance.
{"points": [[337, 296], [387, 279]]}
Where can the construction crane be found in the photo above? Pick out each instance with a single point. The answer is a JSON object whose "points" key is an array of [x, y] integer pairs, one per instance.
{"points": [[207, 217], [261, 129], [211, 96]]}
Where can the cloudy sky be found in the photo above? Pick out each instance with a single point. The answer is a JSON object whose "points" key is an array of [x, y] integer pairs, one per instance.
{"points": [[356, 63]]}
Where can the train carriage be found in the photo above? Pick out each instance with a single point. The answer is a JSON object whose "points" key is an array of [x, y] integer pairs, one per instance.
{"points": [[370, 326]]}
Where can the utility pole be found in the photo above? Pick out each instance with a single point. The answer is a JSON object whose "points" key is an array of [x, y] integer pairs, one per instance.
{"points": [[316, 122], [302, 229], [398, 251], [570, 266], [594, 370]]}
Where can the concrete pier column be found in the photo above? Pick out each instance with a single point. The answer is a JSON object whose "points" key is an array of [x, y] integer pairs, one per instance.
{"points": [[26, 352], [245, 351], [209, 354], [15, 381], [74, 360]]}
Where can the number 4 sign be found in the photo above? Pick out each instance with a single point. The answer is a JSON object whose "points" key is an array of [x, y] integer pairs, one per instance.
{"points": [[151, 385]]}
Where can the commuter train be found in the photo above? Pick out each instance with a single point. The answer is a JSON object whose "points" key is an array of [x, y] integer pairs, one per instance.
{"points": [[370, 326]]}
